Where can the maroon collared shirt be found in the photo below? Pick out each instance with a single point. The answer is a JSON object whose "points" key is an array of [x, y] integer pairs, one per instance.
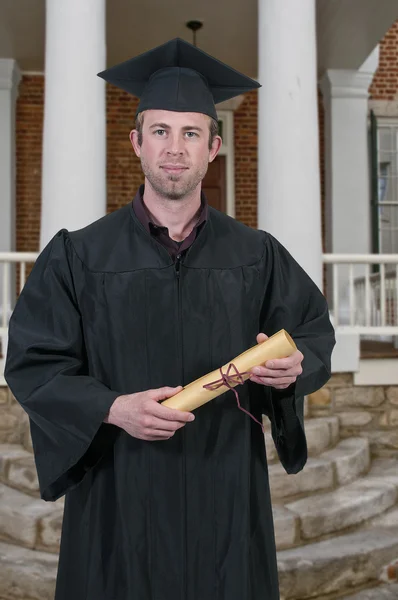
{"points": [[162, 233]]}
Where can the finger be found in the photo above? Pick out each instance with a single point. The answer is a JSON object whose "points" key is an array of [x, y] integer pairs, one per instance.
{"points": [[264, 372], [170, 414], [270, 382], [159, 436], [165, 392], [261, 337], [285, 363], [153, 425]]}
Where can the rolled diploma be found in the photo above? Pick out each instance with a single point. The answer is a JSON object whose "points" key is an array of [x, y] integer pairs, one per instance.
{"points": [[280, 345]]}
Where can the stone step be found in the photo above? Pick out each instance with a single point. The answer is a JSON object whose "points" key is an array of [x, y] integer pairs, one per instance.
{"points": [[387, 468], [384, 592], [341, 465], [17, 468], [26, 573], [321, 433], [348, 506], [337, 565], [286, 526], [28, 521]]}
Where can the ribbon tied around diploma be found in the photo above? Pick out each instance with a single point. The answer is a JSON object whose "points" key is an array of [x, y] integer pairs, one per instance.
{"points": [[230, 380], [233, 373]]}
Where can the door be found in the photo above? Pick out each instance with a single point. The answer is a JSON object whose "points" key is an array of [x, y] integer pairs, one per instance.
{"points": [[214, 184]]}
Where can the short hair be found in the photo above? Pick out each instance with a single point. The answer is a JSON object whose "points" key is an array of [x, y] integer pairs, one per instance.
{"points": [[213, 128]]}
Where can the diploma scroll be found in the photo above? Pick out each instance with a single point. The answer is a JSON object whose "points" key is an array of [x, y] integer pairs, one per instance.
{"points": [[195, 394]]}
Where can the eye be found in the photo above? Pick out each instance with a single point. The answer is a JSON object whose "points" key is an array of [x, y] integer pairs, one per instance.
{"points": [[159, 132], [191, 134]]}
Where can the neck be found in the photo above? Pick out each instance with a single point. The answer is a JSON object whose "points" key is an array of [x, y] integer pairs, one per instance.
{"points": [[179, 216]]}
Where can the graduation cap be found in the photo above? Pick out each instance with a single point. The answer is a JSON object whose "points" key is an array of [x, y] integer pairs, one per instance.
{"points": [[177, 76]]}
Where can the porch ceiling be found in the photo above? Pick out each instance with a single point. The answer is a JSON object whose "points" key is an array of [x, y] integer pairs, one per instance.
{"points": [[347, 30]]}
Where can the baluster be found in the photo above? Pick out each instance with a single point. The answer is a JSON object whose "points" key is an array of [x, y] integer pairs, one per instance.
{"points": [[351, 295], [367, 296], [22, 274], [6, 292], [336, 294], [383, 294]]}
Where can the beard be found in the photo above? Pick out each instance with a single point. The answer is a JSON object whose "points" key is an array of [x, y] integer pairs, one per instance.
{"points": [[173, 187]]}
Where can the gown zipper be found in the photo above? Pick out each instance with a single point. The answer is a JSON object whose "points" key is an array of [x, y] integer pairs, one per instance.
{"points": [[178, 261]]}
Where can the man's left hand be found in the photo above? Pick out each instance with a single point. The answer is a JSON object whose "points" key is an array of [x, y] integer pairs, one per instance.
{"points": [[278, 373]]}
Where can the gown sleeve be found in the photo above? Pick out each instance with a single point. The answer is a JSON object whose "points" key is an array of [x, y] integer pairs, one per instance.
{"points": [[293, 302], [46, 370]]}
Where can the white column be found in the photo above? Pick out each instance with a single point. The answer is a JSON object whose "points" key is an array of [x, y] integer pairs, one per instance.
{"points": [[9, 79], [288, 180], [347, 187], [347, 178], [74, 143]]}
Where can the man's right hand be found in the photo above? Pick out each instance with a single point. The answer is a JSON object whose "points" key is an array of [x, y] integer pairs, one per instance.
{"points": [[142, 417]]}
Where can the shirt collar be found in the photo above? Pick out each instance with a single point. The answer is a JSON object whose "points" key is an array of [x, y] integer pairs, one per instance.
{"points": [[143, 215]]}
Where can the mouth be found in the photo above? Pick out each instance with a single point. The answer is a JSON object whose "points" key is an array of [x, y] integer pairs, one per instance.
{"points": [[174, 169]]}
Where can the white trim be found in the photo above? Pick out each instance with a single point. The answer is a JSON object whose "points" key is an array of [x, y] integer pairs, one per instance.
{"points": [[384, 108], [32, 73], [10, 75], [342, 83], [387, 121], [228, 150], [377, 371], [231, 104]]}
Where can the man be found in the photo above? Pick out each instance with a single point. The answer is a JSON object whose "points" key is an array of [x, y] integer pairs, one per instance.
{"points": [[116, 317]]}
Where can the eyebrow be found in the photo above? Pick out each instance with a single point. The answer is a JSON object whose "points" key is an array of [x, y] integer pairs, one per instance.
{"points": [[185, 128]]}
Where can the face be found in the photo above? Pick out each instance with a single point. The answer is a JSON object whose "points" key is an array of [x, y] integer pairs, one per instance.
{"points": [[175, 151]]}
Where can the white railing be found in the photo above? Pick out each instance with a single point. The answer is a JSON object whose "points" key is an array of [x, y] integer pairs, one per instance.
{"points": [[12, 279], [362, 291]]}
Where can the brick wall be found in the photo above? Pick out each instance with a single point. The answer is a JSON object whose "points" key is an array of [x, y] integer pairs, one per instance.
{"points": [[29, 133], [385, 81], [124, 173], [245, 129]]}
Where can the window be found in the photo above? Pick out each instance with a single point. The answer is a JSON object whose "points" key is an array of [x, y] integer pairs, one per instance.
{"points": [[384, 134]]}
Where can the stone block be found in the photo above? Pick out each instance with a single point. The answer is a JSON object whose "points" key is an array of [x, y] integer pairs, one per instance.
{"points": [[9, 427], [50, 530], [321, 397], [20, 515], [285, 524], [340, 380], [8, 453], [351, 458], [317, 475], [27, 573], [384, 592], [4, 395], [372, 396], [393, 421], [392, 395], [355, 418], [22, 474], [381, 439]]}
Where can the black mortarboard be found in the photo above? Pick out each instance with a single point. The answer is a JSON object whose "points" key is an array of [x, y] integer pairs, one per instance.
{"points": [[178, 76]]}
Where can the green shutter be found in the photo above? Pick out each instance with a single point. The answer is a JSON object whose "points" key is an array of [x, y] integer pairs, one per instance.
{"points": [[220, 128], [374, 184]]}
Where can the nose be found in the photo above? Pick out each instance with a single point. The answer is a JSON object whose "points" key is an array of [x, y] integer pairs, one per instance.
{"points": [[176, 145]]}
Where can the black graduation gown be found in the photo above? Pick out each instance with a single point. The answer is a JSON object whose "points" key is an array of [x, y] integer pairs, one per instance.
{"points": [[106, 312]]}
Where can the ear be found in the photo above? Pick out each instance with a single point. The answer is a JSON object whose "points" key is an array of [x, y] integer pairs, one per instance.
{"points": [[134, 142], [215, 148]]}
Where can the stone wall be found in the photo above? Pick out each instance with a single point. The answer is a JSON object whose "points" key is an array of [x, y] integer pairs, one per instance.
{"points": [[370, 411]]}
